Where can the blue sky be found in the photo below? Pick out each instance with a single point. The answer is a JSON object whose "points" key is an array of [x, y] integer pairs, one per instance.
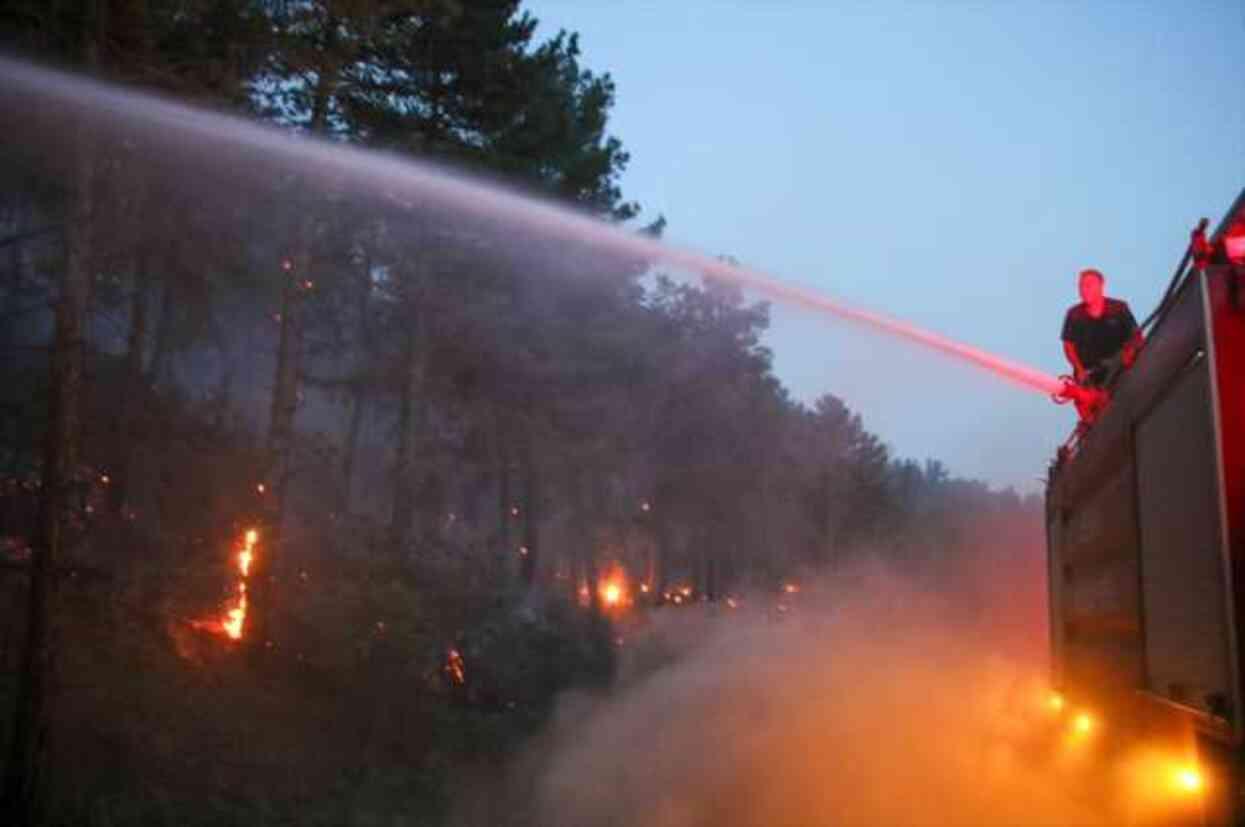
{"points": [[954, 164]]}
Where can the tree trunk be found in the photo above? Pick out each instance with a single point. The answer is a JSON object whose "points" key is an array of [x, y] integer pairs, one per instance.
{"points": [[504, 495], [285, 399], [278, 453], [403, 476], [32, 715], [358, 397], [531, 512], [351, 449], [163, 342], [126, 431]]}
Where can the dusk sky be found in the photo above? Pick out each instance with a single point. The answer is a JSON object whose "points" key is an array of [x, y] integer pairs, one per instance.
{"points": [[953, 164]]}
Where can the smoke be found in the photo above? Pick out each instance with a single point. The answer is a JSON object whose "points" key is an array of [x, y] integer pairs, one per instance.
{"points": [[874, 701]]}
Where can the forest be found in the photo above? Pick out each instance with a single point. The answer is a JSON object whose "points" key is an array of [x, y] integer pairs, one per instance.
{"points": [[315, 496]]}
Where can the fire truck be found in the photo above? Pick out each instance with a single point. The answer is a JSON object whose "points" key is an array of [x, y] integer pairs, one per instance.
{"points": [[1145, 522]]}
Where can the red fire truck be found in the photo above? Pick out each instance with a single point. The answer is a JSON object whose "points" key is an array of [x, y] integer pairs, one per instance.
{"points": [[1145, 517]]}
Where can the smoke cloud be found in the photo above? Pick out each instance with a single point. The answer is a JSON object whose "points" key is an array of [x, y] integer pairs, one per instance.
{"points": [[874, 700]]}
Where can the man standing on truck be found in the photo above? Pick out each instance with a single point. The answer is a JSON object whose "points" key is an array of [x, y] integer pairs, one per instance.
{"points": [[1099, 333]]}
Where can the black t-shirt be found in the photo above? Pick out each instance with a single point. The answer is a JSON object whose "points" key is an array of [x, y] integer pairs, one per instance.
{"points": [[1097, 340]]}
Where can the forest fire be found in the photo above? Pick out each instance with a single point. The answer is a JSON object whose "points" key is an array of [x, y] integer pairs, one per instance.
{"points": [[233, 624]]}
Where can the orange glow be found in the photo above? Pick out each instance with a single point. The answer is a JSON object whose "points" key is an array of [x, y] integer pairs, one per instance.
{"points": [[612, 589], [791, 588], [233, 623], [687, 591], [1188, 779], [1083, 724], [260, 488], [644, 588], [611, 594], [1055, 702], [235, 617], [247, 554]]}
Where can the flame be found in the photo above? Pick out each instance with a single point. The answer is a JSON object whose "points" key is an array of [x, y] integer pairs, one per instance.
{"points": [[1055, 702], [234, 620], [1083, 724], [247, 554], [235, 617], [611, 594], [612, 590]]}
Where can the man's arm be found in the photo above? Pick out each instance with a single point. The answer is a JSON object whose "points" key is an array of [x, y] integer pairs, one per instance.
{"points": [[1078, 369]]}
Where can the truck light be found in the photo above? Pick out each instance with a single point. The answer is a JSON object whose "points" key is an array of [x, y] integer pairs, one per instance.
{"points": [[1234, 245]]}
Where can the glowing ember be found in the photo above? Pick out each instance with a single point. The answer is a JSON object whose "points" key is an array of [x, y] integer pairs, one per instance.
{"points": [[105, 479], [260, 488], [686, 591], [611, 594], [644, 588], [791, 588], [1083, 724], [732, 603], [1055, 702], [455, 667]]}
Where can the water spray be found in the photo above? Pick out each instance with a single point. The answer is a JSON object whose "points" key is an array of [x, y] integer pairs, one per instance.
{"points": [[406, 181]]}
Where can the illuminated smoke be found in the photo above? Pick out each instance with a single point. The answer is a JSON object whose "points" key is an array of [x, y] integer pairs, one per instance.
{"points": [[875, 709]]}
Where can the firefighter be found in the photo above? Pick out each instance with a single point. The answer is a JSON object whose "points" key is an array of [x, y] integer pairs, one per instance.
{"points": [[1099, 334]]}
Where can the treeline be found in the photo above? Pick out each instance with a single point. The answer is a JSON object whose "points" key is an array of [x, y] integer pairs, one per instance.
{"points": [[447, 434]]}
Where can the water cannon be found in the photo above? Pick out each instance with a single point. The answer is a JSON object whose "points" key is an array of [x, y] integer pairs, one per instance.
{"points": [[1090, 401]]}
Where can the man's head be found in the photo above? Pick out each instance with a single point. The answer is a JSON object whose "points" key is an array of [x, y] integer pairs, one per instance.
{"points": [[1090, 283]]}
